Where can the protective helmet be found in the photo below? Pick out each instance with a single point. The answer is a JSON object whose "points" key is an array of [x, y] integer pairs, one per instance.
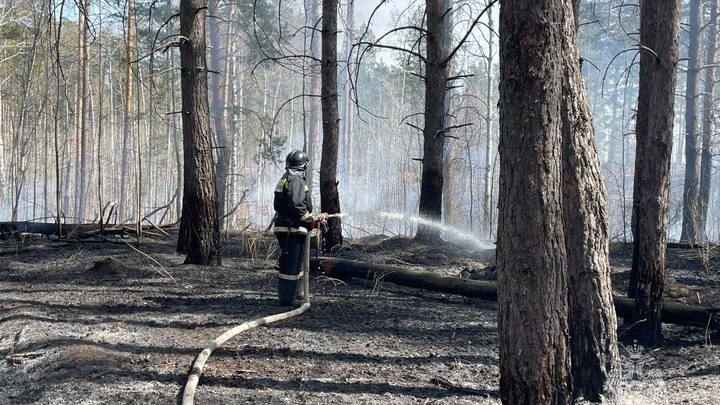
{"points": [[296, 159]]}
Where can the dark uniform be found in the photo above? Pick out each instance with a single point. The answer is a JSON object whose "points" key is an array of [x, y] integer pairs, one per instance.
{"points": [[294, 220]]}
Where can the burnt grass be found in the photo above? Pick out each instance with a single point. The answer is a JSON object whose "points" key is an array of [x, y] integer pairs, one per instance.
{"points": [[112, 322]]}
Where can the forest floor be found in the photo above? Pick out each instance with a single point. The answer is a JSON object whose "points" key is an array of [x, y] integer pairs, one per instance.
{"points": [[92, 322]]}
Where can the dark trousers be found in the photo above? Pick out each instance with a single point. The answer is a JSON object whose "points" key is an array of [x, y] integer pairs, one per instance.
{"points": [[290, 262]]}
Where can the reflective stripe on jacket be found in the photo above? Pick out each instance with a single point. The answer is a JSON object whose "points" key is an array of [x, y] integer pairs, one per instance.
{"points": [[293, 203]]}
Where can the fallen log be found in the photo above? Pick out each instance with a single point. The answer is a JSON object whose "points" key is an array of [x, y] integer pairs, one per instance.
{"points": [[408, 277], [693, 246], [673, 312], [13, 229]]}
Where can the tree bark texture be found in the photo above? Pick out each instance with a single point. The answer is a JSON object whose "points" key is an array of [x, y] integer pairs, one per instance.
{"points": [[593, 324], [531, 259], [450, 150], [347, 105], [127, 113], [488, 208], [329, 197], [692, 164], [313, 115], [199, 231], [708, 117], [82, 107], [218, 59], [659, 29], [431, 183]]}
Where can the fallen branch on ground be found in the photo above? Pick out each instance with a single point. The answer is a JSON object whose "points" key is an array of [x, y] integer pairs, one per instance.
{"points": [[673, 312], [76, 230]]}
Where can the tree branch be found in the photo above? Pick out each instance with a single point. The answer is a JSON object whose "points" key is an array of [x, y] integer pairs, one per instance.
{"points": [[371, 45], [467, 33]]}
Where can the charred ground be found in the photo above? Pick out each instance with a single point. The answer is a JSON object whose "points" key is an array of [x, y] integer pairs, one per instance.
{"points": [[109, 322]]}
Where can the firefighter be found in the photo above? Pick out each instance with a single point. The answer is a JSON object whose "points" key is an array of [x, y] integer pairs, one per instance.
{"points": [[293, 205]]}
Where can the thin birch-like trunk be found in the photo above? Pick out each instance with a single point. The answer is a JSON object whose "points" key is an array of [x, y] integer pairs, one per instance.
{"points": [[127, 116]]}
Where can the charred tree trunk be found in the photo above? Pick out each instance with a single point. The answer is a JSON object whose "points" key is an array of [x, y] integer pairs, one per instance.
{"points": [[531, 259], [450, 176], [659, 29], [593, 325], [199, 231], [708, 117], [431, 183], [692, 164], [329, 197]]}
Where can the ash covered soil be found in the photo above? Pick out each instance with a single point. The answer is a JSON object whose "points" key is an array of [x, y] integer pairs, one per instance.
{"points": [[91, 322]]}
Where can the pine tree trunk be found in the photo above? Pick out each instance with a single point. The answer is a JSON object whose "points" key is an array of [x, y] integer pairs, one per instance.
{"points": [[488, 177], [431, 183], [593, 324], [313, 118], [127, 116], [329, 197], [82, 110], [347, 104], [218, 55], [450, 175], [99, 151], [176, 144], [659, 29], [692, 164], [708, 115], [198, 236], [531, 259]]}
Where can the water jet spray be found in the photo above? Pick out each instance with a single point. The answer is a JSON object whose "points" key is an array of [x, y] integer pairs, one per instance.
{"points": [[457, 233]]}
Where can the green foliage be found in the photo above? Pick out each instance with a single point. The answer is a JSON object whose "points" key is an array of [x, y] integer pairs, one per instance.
{"points": [[257, 24], [12, 31], [271, 149]]}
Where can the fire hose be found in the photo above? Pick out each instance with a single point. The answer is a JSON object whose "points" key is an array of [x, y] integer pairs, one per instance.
{"points": [[196, 371]]}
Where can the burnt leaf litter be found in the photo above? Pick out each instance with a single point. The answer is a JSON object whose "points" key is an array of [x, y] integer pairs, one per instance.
{"points": [[100, 322]]}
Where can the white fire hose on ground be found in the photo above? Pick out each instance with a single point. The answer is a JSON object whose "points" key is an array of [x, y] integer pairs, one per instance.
{"points": [[194, 377]]}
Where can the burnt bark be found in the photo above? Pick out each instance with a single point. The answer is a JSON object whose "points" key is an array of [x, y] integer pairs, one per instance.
{"points": [[199, 233], [531, 259], [659, 29], [593, 324], [692, 164], [451, 177], [431, 183], [406, 277], [329, 197]]}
